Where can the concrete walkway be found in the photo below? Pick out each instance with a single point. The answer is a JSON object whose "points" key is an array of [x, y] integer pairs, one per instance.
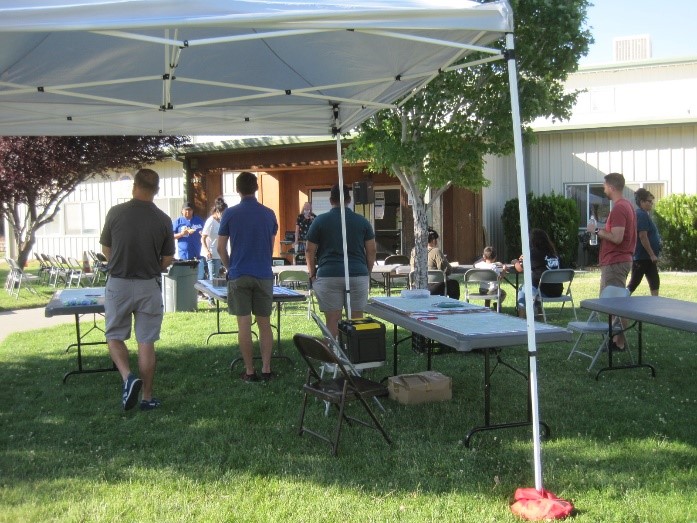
{"points": [[22, 320]]}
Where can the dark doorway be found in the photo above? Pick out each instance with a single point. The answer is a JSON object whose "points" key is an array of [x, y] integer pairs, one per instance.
{"points": [[388, 221]]}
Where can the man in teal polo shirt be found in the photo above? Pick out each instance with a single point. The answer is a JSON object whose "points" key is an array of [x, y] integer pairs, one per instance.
{"points": [[324, 254]]}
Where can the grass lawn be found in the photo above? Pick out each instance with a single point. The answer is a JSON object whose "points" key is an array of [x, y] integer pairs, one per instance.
{"points": [[622, 449]]}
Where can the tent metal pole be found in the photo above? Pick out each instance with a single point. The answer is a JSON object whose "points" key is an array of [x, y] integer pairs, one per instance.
{"points": [[525, 242], [343, 224]]}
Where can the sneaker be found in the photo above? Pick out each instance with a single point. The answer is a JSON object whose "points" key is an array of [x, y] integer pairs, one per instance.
{"points": [[131, 389], [150, 404], [249, 378], [268, 376]]}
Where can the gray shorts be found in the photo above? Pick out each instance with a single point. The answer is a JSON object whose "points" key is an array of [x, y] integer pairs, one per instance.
{"points": [[141, 299], [614, 274], [330, 292], [248, 295]]}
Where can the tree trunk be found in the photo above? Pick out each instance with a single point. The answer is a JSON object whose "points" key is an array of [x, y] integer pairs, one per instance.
{"points": [[24, 248], [420, 243]]}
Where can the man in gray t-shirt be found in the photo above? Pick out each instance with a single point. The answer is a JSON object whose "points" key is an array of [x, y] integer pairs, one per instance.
{"points": [[138, 242]]}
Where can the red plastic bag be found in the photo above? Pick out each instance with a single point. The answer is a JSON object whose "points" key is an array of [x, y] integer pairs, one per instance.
{"points": [[536, 505]]}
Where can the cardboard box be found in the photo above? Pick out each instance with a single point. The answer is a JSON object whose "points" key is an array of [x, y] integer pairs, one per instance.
{"points": [[363, 340], [422, 387]]}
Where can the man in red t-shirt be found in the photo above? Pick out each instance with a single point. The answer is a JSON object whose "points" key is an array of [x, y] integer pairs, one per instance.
{"points": [[618, 238]]}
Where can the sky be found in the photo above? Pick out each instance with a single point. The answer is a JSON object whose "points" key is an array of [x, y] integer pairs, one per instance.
{"points": [[670, 23]]}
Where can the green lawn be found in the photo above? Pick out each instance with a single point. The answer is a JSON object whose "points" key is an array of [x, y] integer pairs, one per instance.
{"points": [[623, 449]]}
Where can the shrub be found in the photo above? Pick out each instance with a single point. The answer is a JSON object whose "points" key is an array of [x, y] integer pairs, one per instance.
{"points": [[676, 218], [553, 213]]}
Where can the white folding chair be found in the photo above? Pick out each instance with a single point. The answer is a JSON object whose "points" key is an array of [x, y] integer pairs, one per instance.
{"points": [[595, 326], [300, 282], [565, 277], [433, 275], [18, 278], [76, 273], [398, 277], [476, 279], [10, 280]]}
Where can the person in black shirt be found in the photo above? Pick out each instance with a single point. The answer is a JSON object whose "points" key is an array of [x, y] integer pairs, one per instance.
{"points": [[543, 257]]}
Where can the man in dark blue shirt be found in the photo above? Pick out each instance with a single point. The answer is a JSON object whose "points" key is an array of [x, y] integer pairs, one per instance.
{"points": [[648, 245], [250, 228]]}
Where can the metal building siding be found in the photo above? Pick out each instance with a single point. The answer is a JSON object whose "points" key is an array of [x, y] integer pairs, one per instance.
{"points": [[658, 153]]}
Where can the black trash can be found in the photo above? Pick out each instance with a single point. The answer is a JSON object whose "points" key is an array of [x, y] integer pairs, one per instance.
{"points": [[178, 292]]}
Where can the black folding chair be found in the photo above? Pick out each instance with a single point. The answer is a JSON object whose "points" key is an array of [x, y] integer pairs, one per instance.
{"points": [[338, 391]]}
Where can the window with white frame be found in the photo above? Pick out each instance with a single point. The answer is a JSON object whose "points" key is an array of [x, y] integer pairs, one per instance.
{"points": [[591, 200], [658, 189], [81, 217], [52, 228], [170, 206]]}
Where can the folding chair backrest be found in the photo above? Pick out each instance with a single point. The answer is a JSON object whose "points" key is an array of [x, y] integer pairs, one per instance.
{"points": [[315, 349], [293, 277], [397, 259], [435, 276], [557, 276], [562, 277], [62, 262], [481, 276], [612, 291]]}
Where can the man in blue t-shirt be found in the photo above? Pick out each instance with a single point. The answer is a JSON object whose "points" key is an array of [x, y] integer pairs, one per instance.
{"points": [[250, 227], [324, 254], [187, 232], [648, 245]]}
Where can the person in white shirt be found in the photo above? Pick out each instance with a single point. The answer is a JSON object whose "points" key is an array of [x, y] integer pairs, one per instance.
{"points": [[488, 261], [209, 238]]}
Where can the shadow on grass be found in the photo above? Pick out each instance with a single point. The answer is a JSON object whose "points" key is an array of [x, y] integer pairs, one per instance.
{"points": [[605, 434]]}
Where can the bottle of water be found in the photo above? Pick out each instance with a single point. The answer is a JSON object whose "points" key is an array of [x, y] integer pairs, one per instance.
{"points": [[594, 235]]}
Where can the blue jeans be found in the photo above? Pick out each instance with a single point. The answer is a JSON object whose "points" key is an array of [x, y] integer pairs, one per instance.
{"points": [[201, 268], [214, 265]]}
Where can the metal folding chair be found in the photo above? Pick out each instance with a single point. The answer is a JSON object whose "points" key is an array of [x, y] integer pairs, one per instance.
{"points": [[300, 282], [476, 279], [339, 391], [565, 277], [19, 278], [595, 326]]}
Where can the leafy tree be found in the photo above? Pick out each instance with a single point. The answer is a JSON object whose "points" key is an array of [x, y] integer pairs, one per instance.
{"points": [[553, 213], [37, 173], [676, 218], [441, 134]]}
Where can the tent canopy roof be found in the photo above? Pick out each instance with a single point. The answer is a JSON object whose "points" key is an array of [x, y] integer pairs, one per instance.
{"points": [[226, 67]]}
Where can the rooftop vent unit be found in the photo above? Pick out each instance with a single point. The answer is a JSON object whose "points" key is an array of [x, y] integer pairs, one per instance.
{"points": [[630, 48]]}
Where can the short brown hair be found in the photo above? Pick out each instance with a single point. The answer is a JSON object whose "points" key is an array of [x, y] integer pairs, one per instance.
{"points": [[246, 183], [147, 179], [615, 180]]}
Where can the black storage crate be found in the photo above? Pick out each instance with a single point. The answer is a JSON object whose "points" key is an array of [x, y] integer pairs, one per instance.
{"points": [[363, 340]]}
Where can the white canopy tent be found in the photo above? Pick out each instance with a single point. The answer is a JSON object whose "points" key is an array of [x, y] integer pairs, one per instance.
{"points": [[224, 67], [235, 67]]}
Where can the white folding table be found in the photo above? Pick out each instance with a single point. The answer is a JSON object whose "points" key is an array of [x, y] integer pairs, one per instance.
{"points": [[465, 327]]}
